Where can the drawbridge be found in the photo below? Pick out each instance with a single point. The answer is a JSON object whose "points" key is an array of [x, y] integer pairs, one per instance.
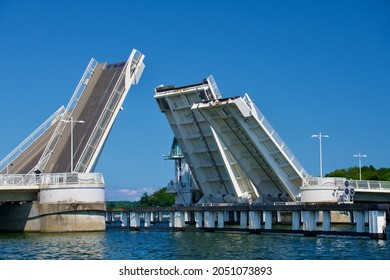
{"points": [[220, 178], [232, 150], [253, 142], [76, 134], [235, 155]]}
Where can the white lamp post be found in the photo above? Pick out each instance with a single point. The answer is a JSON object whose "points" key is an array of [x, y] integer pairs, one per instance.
{"points": [[360, 156], [320, 136], [71, 121]]}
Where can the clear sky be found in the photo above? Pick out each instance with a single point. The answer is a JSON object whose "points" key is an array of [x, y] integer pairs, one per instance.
{"points": [[310, 66]]}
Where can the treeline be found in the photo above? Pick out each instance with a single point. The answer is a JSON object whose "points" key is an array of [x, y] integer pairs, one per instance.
{"points": [[368, 173], [158, 198]]}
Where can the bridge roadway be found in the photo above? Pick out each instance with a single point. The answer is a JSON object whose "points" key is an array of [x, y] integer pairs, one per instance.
{"points": [[90, 107], [97, 101]]}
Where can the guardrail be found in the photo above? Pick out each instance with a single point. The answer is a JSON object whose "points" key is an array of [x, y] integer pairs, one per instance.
{"points": [[50, 179], [340, 183], [277, 139], [370, 185]]}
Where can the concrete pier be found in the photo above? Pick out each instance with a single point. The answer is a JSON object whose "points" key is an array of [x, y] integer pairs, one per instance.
{"points": [[296, 220], [377, 224], [359, 220], [326, 220], [243, 219], [124, 219], [309, 222], [179, 223], [254, 221], [221, 219], [135, 221], [268, 219], [147, 219], [302, 219], [62, 202], [198, 219], [209, 220]]}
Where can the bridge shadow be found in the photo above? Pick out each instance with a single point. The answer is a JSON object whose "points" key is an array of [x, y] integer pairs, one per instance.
{"points": [[14, 216]]}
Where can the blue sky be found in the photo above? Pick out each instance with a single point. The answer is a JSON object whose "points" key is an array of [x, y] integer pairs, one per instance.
{"points": [[310, 66]]}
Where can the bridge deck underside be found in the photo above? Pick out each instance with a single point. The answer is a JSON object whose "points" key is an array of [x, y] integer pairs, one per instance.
{"points": [[254, 150], [199, 146]]}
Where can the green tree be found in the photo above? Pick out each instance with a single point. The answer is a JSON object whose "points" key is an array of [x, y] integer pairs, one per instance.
{"points": [[368, 173], [144, 201], [161, 198]]}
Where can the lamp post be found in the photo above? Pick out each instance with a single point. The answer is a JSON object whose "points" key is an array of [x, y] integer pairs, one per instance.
{"points": [[71, 121], [360, 156], [320, 136]]}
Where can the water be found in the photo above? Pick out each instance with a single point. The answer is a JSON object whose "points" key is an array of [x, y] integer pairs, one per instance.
{"points": [[123, 244]]}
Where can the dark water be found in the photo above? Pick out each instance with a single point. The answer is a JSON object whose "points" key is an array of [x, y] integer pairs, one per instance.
{"points": [[123, 244]]}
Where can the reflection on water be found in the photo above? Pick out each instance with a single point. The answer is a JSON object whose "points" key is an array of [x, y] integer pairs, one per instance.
{"points": [[123, 244]]}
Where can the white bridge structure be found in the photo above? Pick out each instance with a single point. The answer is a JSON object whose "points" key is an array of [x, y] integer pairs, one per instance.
{"points": [[47, 182], [235, 155]]}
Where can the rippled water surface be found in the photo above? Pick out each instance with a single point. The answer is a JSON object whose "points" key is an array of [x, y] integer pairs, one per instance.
{"points": [[123, 244]]}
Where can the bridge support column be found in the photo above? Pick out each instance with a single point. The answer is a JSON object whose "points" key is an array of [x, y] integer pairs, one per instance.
{"points": [[221, 219], [187, 217], [278, 216], [108, 217], [296, 220], [227, 218], [377, 224], [147, 218], [135, 221], [124, 219], [267, 219], [198, 219], [359, 220], [326, 220], [254, 221], [171, 219], [243, 219], [235, 216], [160, 216], [209, 221], [309, 222], [151, 217], [179, 223]]}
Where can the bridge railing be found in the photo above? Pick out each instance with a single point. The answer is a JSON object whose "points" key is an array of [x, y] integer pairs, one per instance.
{"points": [[340, 183], [6, 163], [370, 185], [50, 179], [57, 134], [276, 138]]}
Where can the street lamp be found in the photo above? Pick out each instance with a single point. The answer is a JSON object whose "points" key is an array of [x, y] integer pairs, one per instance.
{"points": [[360, 156], [320, 136], [71, 121]]}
